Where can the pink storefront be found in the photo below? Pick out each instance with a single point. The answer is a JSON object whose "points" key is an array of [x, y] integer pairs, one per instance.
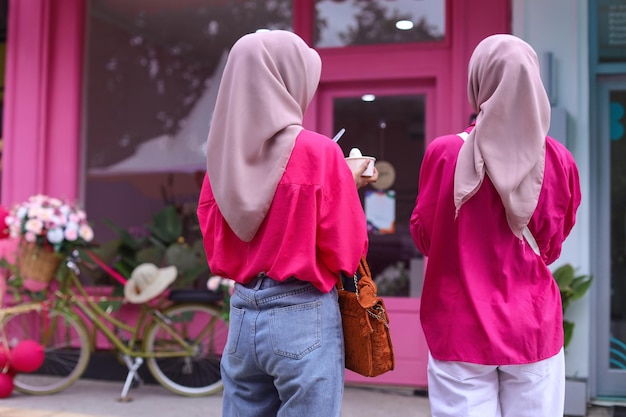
{"points": [[108, 102]]}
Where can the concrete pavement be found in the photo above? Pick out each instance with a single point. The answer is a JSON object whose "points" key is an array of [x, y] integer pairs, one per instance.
{"points": [[90, 398]]}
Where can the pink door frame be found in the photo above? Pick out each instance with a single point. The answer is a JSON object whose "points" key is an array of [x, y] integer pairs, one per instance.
{"points": [[327, 92], [411, 351], [42, 105]]}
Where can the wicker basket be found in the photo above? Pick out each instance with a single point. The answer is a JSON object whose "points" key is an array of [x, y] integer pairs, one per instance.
{"points": [[37, 263]]}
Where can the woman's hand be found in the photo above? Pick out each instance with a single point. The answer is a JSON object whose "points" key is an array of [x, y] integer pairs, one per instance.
{"points": [[361, 181]]}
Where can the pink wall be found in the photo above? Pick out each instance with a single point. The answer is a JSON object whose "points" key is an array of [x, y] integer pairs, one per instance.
{"points": [[42, 112]]}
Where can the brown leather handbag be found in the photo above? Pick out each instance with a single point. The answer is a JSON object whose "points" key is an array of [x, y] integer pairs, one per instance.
{"points": [[367, 339]]}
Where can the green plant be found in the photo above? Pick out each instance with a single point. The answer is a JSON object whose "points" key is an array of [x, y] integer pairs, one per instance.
{"points": [[171, 238], [572, 287]]}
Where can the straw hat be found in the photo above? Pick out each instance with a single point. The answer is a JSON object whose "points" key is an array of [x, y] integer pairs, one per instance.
{"points": [[147, 281]]}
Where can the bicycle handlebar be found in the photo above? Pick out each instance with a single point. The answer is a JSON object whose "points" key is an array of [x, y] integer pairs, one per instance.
{"points": [[73, 260]]}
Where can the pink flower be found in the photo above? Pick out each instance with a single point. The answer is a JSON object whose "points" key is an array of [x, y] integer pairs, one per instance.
{"points": [[71, 234], [59, 222], [30, 237]]}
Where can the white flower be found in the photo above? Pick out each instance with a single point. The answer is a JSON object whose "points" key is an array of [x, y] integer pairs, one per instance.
{"points": [[57, 220], [214, 283], [65, 209], [46, 214], [21, 212], [34, 226], [85, 232], [55, 235]]}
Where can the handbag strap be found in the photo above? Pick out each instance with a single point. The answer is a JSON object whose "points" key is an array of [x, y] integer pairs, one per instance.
{"points": [[528, 235], [365, 286]]}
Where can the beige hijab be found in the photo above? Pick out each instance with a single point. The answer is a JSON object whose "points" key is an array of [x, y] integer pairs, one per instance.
{"points": [[508, 142], [268, 82]]}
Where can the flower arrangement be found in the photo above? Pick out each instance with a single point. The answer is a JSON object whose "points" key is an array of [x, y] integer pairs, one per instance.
{"points": [[227, 286], [48, 229], [50, 223]]}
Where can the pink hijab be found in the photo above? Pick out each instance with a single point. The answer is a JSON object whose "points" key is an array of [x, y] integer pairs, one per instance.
{"points": [[268, 82], [508, 142]]}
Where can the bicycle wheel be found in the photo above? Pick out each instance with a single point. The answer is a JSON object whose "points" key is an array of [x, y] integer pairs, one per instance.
{"points": [[66, 347], [193, 370]]}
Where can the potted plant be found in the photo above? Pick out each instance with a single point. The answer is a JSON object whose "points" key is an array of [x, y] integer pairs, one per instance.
{"points": [[572, 287]]}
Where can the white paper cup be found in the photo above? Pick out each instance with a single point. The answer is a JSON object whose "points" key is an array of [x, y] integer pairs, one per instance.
{"points": [[355, 164]]}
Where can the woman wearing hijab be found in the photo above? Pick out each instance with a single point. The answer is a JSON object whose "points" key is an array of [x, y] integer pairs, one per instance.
{"points": [[280, 215], [495, 204]]}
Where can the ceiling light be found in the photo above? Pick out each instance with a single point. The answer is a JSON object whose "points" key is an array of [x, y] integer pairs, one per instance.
{"points": [[368, 97], [404, 25]]}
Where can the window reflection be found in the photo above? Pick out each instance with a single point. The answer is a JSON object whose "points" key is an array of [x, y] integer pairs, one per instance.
{"points": [[357, 22], [152, 71]]}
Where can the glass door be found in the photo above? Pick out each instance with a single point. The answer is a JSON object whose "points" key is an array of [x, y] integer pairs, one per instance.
{"points": [[391, 125], [611, 234]]}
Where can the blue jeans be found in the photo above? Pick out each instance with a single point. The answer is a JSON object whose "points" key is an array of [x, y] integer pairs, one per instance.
{"points": [[284, 355]]}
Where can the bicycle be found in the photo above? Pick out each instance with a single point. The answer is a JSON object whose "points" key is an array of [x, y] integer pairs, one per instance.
{"points": [[181, 337]]}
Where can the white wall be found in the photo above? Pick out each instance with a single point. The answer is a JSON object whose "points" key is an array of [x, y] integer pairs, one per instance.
{"points": [[561, 27]]}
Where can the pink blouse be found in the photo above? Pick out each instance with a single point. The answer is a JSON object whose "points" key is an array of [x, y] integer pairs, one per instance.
{"points": [[487, 297], [314, 230]]}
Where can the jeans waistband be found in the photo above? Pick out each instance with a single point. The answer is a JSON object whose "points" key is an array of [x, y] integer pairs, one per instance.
{"points": [[262, 281]]}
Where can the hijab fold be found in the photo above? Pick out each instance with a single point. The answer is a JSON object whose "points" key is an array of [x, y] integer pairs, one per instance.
{"points": [[508, 140], [268, 82]]}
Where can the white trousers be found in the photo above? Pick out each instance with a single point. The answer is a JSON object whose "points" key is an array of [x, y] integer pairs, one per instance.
{"points": [[461, 389]]}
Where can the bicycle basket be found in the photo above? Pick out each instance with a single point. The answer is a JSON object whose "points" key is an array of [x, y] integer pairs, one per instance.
{"points": [[36, 265]]}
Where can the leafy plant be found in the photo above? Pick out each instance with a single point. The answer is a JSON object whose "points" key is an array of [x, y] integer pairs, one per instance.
{"points": [[171, 238], [572, 287]]}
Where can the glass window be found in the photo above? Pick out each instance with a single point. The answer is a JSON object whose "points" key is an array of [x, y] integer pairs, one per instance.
{"points": [[611, 31], [152, 73], [390, 128], [618, 228], [363, 22]]}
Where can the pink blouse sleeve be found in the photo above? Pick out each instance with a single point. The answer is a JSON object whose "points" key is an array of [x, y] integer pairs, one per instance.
{"points": [[342, 227], [429, 187], [558, 202]]}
